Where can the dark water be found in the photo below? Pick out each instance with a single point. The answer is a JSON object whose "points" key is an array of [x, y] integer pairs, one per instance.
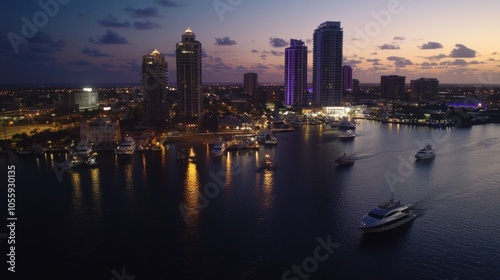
{"points": [[228, 218]]}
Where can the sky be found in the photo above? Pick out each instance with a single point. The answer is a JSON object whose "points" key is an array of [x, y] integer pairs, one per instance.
{"points": [[91, 42]]}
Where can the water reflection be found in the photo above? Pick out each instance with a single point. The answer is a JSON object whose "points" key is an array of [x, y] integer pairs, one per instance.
{"points": [[229, 175], [191, 194], [77, 191], [95, 176]]}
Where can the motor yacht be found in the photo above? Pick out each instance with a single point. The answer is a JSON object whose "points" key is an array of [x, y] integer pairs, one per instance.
{"points": [[127, 147], [344, 161], [219, 149], [348, 135], [386, 216], [425, 153], [83, 148]]}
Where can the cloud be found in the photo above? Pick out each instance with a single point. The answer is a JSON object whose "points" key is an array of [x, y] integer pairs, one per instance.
{"points": [[431, 46], [111, 21], [400, 62], [80, 62], [110, 37], [275, 53], [263, 56], [254, 51], [94, 52], [428, 65], [131, 66], [388, 47], [435, 57], [456, 62], [169, 3], [401, 38], [143, 13], [277, 42], [374, 61], [352, 62], [462, 51], [225, 41], [146, 25], [259, 66], [46, 39]]}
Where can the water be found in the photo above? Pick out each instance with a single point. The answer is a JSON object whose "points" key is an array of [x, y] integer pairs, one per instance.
{"points": [[158, 218]]}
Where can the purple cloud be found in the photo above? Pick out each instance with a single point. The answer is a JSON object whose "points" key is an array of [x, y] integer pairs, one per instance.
{"points": [[225, 41], [431, 46], [278, 42], [461, 51], [109, 38], [111, 21]]}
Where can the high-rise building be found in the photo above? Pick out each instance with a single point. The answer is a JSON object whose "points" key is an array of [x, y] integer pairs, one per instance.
{"points": [[346, 79], [296, 73], [250, 81], [189, 86], [424, 88], [393, 87], [154, 82], [327, 64], [355, 86]]}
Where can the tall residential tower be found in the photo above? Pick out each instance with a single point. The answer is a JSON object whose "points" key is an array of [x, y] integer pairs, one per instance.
{"points": [[188, 58], [250, 81], [154, 82], [296, 73], [327, 64]]}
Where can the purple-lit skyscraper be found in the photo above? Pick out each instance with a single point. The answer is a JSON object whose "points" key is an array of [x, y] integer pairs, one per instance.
{"points": [[327, 64], [346, 79], [296, 73], [188, 60]]}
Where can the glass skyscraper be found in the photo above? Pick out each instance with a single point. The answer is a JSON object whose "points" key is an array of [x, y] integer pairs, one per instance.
{"points": [[189, 86], [327, 64], [154, 82], [296, 73]]}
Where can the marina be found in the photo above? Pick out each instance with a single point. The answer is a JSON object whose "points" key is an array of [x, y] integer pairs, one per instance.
{"points": [[240, 203]]}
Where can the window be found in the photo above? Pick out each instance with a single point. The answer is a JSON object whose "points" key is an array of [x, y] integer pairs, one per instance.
{"points": [[374, 215]]}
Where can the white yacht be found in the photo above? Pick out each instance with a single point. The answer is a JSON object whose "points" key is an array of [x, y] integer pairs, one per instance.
{"points": [[127, 147], [427, 152], [346, 124], [270, 140], [386, 216], [83, 148], [219, 149], [348, 135]]}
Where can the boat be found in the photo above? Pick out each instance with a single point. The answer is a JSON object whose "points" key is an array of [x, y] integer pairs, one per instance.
{"points": [[192, 155], [346, 124], [270, 140], [83, 148], [348, 135], [219, 149], [127, 147], [268, 161], [344, 161], [25, 151], [156, 148], [79, 161], [386, 216], [425, 153], [180, 156]]}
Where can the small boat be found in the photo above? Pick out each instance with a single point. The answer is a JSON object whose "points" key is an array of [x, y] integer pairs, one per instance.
{"points": [[192, 155], [348, 135], [127, 147], [425, 153], [180, 156], [268, 161], [386, 216], [344, 161], [83, 148], [219, 149], [270, 140], [346, 124], [156, 148], [25, 151]]}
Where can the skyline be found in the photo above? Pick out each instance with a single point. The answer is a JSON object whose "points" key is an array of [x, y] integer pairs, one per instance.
{"points": [[417, 39]]}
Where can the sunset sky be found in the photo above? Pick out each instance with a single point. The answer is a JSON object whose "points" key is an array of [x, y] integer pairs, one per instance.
{"points": [[91, 42]]}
